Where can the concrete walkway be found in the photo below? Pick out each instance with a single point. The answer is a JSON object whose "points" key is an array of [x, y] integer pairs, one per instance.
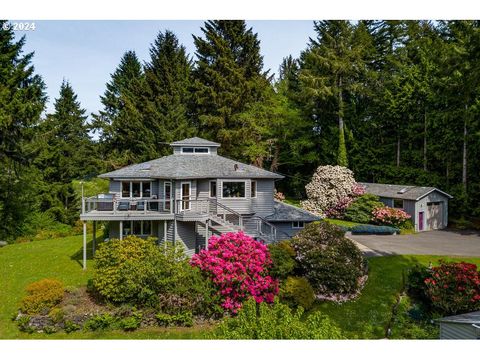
{"points": [[439, 242]]}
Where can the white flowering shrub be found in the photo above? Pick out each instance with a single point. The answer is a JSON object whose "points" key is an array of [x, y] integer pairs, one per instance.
{"points": [[329, 185]]}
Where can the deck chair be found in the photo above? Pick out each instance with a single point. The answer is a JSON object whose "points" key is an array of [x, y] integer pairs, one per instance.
{"points": [[123, 205], [141, 206]]}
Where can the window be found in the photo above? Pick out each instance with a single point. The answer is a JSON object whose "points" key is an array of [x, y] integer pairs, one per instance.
{"points": [[298, 224], [398, 203], [213, 189], [136, 189], [146, 191], [233, 189], [196, 150], [201, 150], [125, 189], [131, 227], [253, 189], [167, 192]]}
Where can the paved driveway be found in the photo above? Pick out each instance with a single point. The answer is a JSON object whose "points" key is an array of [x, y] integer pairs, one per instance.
{"points": [[439, 242]]}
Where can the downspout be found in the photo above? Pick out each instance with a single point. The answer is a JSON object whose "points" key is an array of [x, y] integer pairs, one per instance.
{"points": [[174, 206]]}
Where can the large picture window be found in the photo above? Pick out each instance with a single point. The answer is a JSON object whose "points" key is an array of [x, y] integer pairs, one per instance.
{"points": [[142, 227], [233, 189], [136, 189]]}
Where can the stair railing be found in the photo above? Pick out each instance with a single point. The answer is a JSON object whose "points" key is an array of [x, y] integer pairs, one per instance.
{"points": [[227, 214]]}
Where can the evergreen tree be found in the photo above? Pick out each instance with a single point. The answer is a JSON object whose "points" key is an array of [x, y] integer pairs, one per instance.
{"points": [[66, 153], [166, 93], [22, 99], [329, 75], [229, 81], [124, 137]]}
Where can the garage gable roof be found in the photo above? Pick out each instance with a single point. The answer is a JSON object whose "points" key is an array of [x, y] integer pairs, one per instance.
{"points": [[468, 318], [405, 192]]}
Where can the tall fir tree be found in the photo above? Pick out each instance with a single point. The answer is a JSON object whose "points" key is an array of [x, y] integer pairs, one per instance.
{"points": [[166, 96], [22, 100], [228, 81], [330, 71], [66, 153], [124, 138]]}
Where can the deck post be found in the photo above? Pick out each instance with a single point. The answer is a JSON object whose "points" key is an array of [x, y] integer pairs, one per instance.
{"points": [[206, 234], [94, 237], [165, 233], [121, 230], [84, 245]]}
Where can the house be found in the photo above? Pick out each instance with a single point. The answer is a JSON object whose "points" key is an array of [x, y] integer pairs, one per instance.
{"points": [[427, 206], [463, 326], [190, 195]]}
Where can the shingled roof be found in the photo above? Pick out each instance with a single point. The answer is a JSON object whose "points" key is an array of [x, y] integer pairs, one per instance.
{"points": [[191, 166], [405, 192], [195, 141], [468, 318], [286, 212]]}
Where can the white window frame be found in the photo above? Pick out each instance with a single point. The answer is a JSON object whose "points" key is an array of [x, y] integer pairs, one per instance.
{"points": [[210, 189], [256, 188], [194, 148], [167, 204], [296, 224], [189, 195], [232, 181], [141, 228], [131, 186]]}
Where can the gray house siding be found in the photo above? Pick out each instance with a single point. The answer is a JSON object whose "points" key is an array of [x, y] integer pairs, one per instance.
{"points": [[262, 204], [187, 235], [285, 231], [387, 201], [243, 205], [458, 331], [409, 207], [115, 188]]}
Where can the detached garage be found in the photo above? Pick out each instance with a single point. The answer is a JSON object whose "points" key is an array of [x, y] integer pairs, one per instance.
{"points": [[463, 326], [428, 206]]}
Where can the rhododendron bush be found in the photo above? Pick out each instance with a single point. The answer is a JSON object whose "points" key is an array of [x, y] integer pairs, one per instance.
{"points": [[331, 190], [454, 287], [389, 216], [238, 266]]}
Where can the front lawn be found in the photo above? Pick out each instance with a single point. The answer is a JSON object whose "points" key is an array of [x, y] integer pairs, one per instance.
{"points": [[344, 223], [368, 316], [21, 264]]}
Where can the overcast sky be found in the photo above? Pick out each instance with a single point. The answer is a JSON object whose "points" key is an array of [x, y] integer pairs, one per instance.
{"points": [[87, 52]]}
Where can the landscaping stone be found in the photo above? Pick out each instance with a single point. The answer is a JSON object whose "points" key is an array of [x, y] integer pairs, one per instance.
{"points": [[3, 243]]}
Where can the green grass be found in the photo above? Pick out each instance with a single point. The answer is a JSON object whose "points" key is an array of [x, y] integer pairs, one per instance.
{"points": [[369, 315], [21, 264], [345, 223], [294, 202]]}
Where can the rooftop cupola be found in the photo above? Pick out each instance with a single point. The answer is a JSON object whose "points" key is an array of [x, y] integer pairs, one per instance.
{"points": [[195, 146]]}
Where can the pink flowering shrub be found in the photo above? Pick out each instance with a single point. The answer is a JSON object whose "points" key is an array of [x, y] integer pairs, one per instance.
{"points": [[389, 216], [238, 267], [338, 210], [279, 196]]}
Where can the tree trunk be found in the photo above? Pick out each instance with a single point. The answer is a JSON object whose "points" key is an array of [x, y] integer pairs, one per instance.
{"points": [[275, 160], [398, 150], [340, 105], [425, 141], [464, 159]]}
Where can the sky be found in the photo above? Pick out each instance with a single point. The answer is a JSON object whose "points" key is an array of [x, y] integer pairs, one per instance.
{"points": [[86, 52]]}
